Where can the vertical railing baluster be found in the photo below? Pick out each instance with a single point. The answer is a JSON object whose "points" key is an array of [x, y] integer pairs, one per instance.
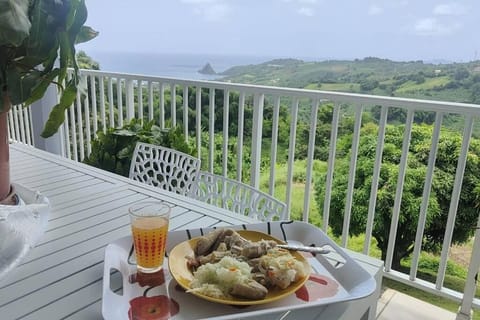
{"points": [[464, 313], [399, 191], [150, 100], [88, 133], [257, 126], [425, 197], [185, 111], [310, 159], [11, 126], [455, 198], [66, 126], [162, 105], [129, 100], [73, 129], [120, 102], [198, 119], [80, 127], [15, 120], [110, 103], [291, 155], [21, 125], [101, 91], [241, 121], [351, 176], [93, 90], [226, 110], [26, 115], [274, 146], [382, 125], [139, 100], [173, 104], [211, 129], [331, 166]]}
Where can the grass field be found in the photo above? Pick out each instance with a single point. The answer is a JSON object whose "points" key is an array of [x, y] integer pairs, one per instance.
{"points": [[344, 87], [429, 84]]}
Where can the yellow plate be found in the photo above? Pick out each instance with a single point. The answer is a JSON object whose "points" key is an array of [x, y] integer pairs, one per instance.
{"points": [[177, 264]]}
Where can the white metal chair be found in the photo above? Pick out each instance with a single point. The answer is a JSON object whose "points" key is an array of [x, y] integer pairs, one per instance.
{"points": [[237, 197], [165, 168]]}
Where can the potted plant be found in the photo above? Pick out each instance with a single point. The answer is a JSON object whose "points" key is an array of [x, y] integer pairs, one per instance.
{"points": [[37, 39]]}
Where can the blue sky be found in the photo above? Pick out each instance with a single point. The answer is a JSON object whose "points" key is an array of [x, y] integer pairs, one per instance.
{"points": [[319, 29]]}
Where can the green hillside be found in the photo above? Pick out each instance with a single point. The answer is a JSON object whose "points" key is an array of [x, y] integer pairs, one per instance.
{"points": [[458, 82]]}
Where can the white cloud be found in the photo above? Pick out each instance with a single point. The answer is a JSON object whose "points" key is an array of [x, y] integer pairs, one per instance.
{"points": [[304, 7], [311, 2], [309, 12], [449, 9], [374, 10], [216, 12], [198, 1], [210, 10], [432, 27]]}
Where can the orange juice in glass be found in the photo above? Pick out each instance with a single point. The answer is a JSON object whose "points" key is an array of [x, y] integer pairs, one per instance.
{"points": [[149, 221]]}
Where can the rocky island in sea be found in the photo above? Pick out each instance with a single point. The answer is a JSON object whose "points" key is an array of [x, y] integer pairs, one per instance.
{"points": [[207, 69]]}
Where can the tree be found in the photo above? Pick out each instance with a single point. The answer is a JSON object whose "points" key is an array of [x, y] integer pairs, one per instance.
{"points": [[86, 62], [439, 202], [368, 84], [461, 73]]}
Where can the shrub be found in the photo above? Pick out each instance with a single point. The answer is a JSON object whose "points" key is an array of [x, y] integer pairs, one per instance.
{"points": [[112, 151]]}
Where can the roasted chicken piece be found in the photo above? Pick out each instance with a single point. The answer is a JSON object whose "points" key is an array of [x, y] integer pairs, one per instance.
{"points": [[206, 243], [250, 290], [257, 249]]}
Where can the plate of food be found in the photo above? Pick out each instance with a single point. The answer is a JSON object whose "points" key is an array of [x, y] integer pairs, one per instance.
{"points": [[237, 267]]}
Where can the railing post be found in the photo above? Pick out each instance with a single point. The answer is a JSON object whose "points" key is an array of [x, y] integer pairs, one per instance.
{"points": [[130, 104], [465, 311], [40, 112], [257, 139]]}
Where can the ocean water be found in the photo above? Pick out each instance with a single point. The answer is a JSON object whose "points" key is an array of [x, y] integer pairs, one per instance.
{"points": [[184, 66]]}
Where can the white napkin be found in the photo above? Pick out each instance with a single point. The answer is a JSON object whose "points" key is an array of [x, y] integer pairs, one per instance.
{"points": [[21, 227]]}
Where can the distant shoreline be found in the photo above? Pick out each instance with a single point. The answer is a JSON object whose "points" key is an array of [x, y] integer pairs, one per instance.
{"points": [[186, 66], [171, 65]]}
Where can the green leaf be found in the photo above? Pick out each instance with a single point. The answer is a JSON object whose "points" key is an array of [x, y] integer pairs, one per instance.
{"points": [[86, 34], [65, 55], [57, 115], [125, 133], [14, 22], [20, 86], [79, 18], [69, 21], [39, 90], [43, 38]]}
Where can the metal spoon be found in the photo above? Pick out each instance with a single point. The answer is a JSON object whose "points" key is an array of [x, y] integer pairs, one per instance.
{"points": [[314, 250]]}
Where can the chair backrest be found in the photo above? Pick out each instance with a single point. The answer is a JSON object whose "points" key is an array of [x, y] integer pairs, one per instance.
{"points": [[165, 168], [237, 197]]}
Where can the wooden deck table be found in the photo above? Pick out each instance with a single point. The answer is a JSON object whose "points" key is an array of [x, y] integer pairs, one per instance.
{"points": [[62, 276]]}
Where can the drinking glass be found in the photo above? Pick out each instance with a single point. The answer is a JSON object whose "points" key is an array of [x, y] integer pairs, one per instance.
{"points": [[149, 221]]}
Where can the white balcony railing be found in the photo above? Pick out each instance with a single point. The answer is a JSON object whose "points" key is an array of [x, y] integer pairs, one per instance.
{"points": [[116, 98]]}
